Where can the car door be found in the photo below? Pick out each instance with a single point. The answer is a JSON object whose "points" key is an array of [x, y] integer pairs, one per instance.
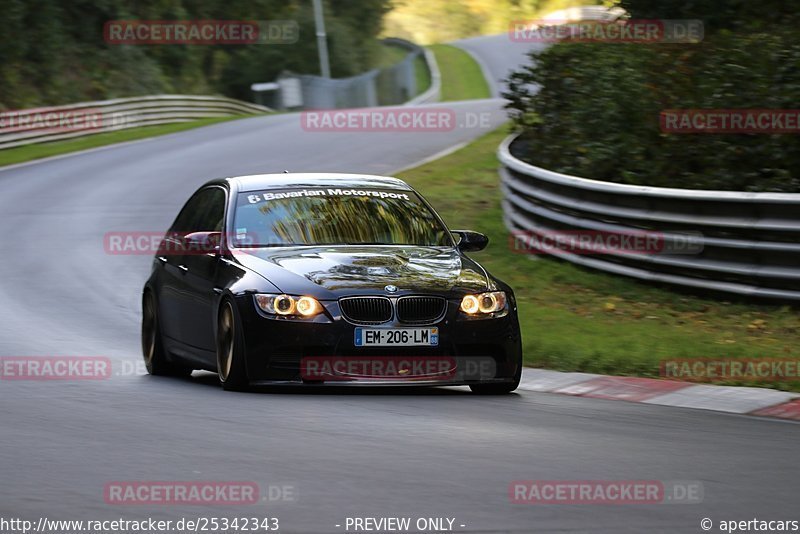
{"points": [[169, 260], [199, 268]]}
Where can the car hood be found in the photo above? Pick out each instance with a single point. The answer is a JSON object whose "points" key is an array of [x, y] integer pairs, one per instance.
{"points": [[329, 272]]}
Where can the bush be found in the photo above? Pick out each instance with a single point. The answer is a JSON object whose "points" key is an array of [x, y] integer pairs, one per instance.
{"points": [[596, 113]]}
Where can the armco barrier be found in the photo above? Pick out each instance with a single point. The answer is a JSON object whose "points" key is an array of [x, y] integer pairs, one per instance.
{"points": [[118, 114], [389, 86], [750, 241], [434, 92]]}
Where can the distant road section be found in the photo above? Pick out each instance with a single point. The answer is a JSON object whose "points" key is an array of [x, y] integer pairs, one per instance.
{"points": [[498, 55]]}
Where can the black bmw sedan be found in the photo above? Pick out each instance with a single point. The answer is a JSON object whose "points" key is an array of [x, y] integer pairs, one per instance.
{"points": [[326, 279]]}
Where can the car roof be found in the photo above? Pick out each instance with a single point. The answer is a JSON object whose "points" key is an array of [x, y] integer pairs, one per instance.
{"points": [[258, 182]]}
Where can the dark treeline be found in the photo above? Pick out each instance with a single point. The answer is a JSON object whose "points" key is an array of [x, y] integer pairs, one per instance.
{"points": [[54, 52]]}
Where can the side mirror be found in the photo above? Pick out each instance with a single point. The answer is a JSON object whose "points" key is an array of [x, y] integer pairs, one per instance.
{"points": [[469, 241], [202, 242]]}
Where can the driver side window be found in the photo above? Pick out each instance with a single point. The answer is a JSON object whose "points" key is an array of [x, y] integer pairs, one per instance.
{"points": [[204, 212]]}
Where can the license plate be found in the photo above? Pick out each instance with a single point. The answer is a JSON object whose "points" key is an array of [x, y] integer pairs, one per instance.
{"points": [[397, 337]]}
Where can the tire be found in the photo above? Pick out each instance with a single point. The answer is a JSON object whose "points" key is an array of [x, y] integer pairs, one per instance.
{"points": [[231, 366], [503, 388], [155, 357]]}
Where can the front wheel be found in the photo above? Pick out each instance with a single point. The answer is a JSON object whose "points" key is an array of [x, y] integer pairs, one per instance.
{"points": [[231, 367], [155, 357]]}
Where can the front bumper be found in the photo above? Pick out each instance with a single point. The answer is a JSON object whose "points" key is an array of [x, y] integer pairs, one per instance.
{"points": [[276, 348]]}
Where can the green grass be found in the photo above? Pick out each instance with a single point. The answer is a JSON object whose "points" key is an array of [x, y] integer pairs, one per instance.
{"points": [[575, 319], [462, 78], [55, 148]]}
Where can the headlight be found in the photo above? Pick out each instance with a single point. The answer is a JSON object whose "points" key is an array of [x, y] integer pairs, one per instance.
{"points": [[484, 303], [288, 306]]}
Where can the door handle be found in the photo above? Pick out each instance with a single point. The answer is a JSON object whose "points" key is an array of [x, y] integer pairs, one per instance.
{"points": [[183, 268], [162, 259]]}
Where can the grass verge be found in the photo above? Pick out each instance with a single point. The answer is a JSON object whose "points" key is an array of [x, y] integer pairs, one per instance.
{"points": [[575, 319], [55, 148], [462, 78]]}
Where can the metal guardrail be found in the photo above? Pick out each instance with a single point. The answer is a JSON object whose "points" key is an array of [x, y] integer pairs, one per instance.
{"points": [[388, 86], [750, 241], [434, 92], [24, 127]]}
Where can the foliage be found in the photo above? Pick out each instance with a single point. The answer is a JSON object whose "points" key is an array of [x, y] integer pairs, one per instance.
{"points": [[440, 21], [715, 14], [596, 113], [53, 52]]}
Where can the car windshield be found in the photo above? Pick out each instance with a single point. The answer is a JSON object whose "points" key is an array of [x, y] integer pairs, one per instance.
{"points": [[335, 216]]}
